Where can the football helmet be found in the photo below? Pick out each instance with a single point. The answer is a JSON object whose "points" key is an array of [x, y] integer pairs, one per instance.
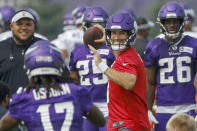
{"points": [[68, 22], [43, 58], [77, 14], [121, 21], [35, 15], [188, 11], [171, 10], [94, 15], [6, 14], [129, 11]]}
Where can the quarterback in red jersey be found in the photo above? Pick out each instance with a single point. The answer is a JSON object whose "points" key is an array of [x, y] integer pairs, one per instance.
{"points": [[127, 80]]}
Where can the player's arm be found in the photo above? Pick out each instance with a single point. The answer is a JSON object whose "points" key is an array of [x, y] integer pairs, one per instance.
{"points": [[96, 117], [64, 54], [150, 85], [123, 79], [150, 91], [74, 74], [195, 80], [7, 123]]}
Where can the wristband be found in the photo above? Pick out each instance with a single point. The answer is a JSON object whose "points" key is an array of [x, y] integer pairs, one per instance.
{"points": [[102, 67]]}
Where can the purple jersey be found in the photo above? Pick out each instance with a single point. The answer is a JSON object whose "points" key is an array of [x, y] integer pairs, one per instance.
{"points": [[63, 110], [175, 70], [82, 61]]}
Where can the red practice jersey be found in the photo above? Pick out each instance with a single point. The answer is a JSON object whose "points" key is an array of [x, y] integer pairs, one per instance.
{"points": [[128, 106]]}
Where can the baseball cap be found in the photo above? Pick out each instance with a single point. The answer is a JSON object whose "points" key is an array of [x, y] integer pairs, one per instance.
{"points": [[143, 23], [21, 14]]}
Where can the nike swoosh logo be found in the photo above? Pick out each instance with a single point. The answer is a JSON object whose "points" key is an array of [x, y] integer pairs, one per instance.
{"points": [[124, 64]]}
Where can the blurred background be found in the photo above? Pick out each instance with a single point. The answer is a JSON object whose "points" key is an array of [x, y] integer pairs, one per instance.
{"points": [[51, 12]]}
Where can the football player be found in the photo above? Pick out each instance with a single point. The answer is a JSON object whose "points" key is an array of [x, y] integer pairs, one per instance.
{"points": [[189, 25], [127, 81], [73, 38], [6, 14], [83, 68], [171, 67], [190, 16], [68, 24], [50, 102]]}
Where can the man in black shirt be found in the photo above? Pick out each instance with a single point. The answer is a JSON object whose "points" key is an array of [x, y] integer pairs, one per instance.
{"points": [[144, 27], [12, 50]]}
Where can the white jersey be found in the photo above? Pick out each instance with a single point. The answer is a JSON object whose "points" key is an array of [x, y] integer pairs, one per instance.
{"points": [[57, 40], [68, 41], [9, 34]]}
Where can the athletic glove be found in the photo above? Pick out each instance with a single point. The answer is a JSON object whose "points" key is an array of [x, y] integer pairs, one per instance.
{"points": [[152, 117]]}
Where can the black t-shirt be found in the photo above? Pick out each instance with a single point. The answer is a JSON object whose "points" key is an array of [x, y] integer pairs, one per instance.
{"points": [[140, 46], [2, 111], [12, 62]]}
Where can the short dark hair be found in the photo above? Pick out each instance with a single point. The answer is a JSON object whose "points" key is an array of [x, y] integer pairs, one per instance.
{"points": [[4, 90]]}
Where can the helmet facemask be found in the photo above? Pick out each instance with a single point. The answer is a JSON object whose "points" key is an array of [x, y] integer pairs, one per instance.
{"points": [[171, 36]]}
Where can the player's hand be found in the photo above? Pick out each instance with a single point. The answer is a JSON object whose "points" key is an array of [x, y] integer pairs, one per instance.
{"points": [[102, 40], [97, 56], [152, 118]]}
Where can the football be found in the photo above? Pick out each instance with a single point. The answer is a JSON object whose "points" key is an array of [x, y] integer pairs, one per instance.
{"points": [[92, 34]]}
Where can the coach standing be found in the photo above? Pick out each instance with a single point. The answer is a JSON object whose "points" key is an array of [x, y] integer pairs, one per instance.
{"points": [[12, 50]]}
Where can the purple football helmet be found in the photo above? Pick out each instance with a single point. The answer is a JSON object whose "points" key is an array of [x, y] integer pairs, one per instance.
{"points": [[129, 11], [77, 14], [121, 21], [188, 11], [35, 15], [94, 15], [171, 10], [6, 14], [68, 22], [43, 58]]}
